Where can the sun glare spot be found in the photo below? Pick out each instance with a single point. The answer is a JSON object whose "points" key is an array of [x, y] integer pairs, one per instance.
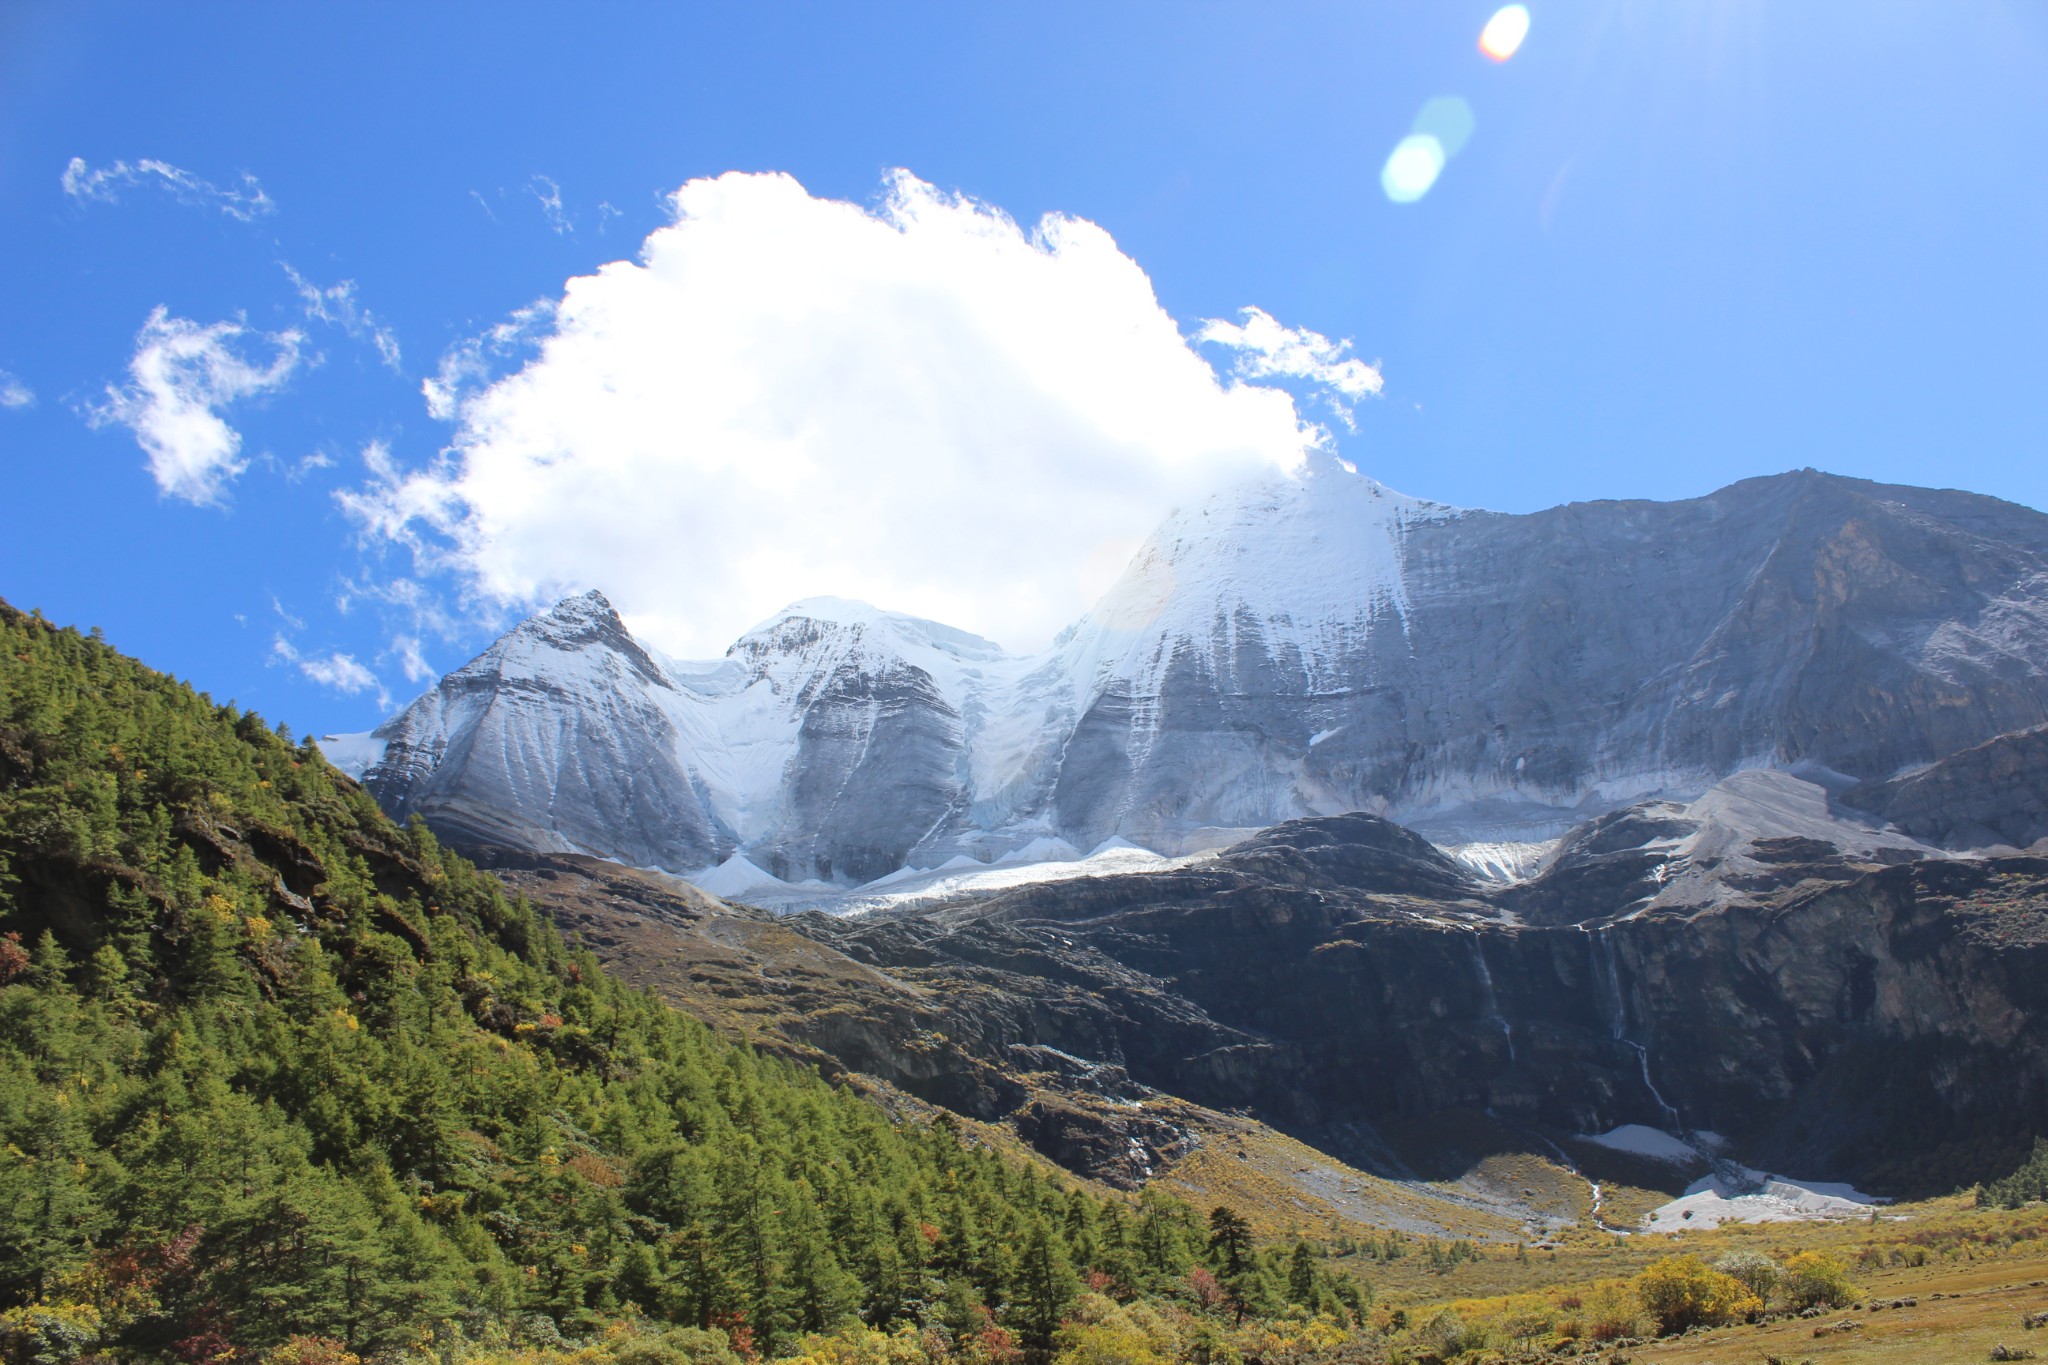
{"points": [[1504, 32], [1413, 166]]}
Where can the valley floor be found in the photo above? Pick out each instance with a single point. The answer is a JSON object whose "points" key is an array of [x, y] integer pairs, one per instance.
{"points": [[1982, 1272]]}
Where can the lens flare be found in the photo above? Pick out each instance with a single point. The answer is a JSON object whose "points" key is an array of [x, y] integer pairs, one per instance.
{"points": [[1448, 119], [1504, 32], [1413, 166]]}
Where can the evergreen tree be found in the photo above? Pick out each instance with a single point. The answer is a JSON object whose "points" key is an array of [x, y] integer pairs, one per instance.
{"points": [[1301, 1276], [1045, 1284], [1230, 1239]]}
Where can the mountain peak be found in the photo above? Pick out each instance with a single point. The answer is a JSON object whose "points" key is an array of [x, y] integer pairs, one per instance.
{"points": [[585, 610], [585, 621], [814, 619]]}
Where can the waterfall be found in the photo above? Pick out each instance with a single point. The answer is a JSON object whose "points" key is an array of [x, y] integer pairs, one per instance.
{"points": [[1607, 970], [1670, 1112], [1486, 994], [1610, 983]]}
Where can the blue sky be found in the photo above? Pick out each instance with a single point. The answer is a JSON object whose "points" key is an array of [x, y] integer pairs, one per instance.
{"points": [[1687, 242]]}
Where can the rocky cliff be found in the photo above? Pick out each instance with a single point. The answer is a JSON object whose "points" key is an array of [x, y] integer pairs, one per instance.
{"points": [[1830, 997], [1991, 795]]}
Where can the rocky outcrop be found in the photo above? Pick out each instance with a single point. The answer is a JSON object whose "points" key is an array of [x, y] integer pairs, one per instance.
{"points": [[1992, 794]]}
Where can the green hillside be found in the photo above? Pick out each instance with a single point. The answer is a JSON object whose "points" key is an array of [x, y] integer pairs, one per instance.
{"points": [[272, 1067]]}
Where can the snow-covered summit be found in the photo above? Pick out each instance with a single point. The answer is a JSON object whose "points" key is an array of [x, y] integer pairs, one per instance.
{"points": [[585, 628], [1295, 566]]}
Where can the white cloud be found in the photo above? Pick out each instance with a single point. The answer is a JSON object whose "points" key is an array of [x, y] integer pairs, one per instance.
{"points": [[334, 670], [180, 374], [337, 306], [340, 672], [919, 404], [307, 465], [14, 393], [551, 204], [105, 183], [412, 660], [1268, 349]]}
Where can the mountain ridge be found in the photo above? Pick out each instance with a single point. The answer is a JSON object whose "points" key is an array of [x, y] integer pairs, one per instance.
{"points": [[1300, 646]]}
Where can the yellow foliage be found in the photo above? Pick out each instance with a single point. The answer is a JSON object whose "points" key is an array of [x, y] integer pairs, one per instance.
{"points": [[1814, 1278], [1684, 1291], [1104, 1332], [1106, 1344], [301, 1350], [1287, 1339], [1607, 1311], [860, 1346], [49, 1331]]}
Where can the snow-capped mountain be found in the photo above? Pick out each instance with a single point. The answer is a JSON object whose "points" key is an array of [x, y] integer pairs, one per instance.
{"points": [[1305, 644]]}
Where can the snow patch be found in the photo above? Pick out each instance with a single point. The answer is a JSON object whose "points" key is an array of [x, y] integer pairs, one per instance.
{"points": [[1039, 850], [1640, 1139], [1758, 1198], [899, 891], [735, 877], [1497, 861]]}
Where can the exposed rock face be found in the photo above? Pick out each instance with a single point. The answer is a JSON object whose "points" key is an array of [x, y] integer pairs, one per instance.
{"points": [[1832, 1012], [1305, 645], [1631, 648], [1995, 793]]}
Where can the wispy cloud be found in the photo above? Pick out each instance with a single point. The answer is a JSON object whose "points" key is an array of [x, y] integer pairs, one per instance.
{"points": [[412, 659], [337, 306], [404, 599], [549, 194], [104, 184], [14, 393], [333, 670], [181, 373], [469, 364], [1269, 349]]}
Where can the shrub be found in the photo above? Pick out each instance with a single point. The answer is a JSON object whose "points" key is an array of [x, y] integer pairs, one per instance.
{"points": [[1448, 1336], [1683, 1291], [304, 1350], [1611, 1311], [1105, 1335], [1814, 1279], [48, 1334], [1754, 1271], [310, 1351]]}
